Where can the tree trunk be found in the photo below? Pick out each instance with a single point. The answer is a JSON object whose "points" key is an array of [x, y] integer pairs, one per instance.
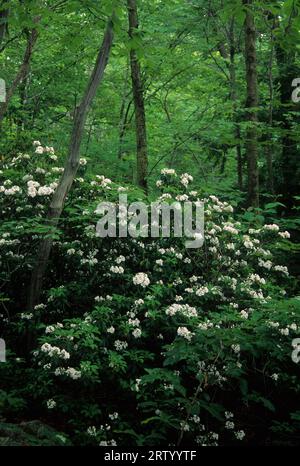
{"points": [[289, 118], [71, 167], [233, 95], [23, 70], [269, 147], [138, 97], [124, 110], [3, 22], [251, 106]]}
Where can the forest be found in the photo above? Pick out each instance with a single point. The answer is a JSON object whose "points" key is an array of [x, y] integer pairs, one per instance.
{"points": [[123, 329]]}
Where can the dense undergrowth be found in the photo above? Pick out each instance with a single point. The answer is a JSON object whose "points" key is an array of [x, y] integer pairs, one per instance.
{"points": [[142, 341]]}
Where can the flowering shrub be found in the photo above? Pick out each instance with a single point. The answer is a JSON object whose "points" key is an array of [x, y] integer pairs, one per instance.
{"points": [[142, 341]]}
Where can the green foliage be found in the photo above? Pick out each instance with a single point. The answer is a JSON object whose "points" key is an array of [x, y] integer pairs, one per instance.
{"points": [[202, 355], [199, 355]]}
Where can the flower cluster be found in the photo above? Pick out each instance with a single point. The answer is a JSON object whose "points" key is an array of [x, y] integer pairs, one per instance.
{"points": [[208, 325], [141, 279], [54, 351]]}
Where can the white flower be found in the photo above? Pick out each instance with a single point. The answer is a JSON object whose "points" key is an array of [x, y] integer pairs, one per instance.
{"points": [[185, 179], [202, 290], [104, 182], [92, 431], [120, 345], [40, 171], [184, 426], [137, 333], [184, 309], [36, 143], [141, 279], [255, 278], [12, 191], [138, 302], [165, 196], [273, 227], [240, 434], [99, 299], [284, 234], [51, 404], [39, 150], [73, 373], [178, 298], [31, 191], [137, 384], [26, 316], [230, 247], [229, 425], [120, 259], [45, 191], [134, 322], [185, 333], [111, 330], [236, 348], [49, 150], [182, 197], [82, 162], [60, 170], [293, 326], [39, 307], [47, 366], [282, 269], [266, 264], [116, 269], [55, 351], [168, 171], [230, 229], [275, 377], [50, 329], [195, 419]]}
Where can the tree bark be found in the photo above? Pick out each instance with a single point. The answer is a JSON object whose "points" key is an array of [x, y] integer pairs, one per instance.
{"points": [[123, 113], [288, 115], [3, 22], [138, 97], [251, 106], [269, 147], [233, 95], [70, 169], [23, 70]]}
